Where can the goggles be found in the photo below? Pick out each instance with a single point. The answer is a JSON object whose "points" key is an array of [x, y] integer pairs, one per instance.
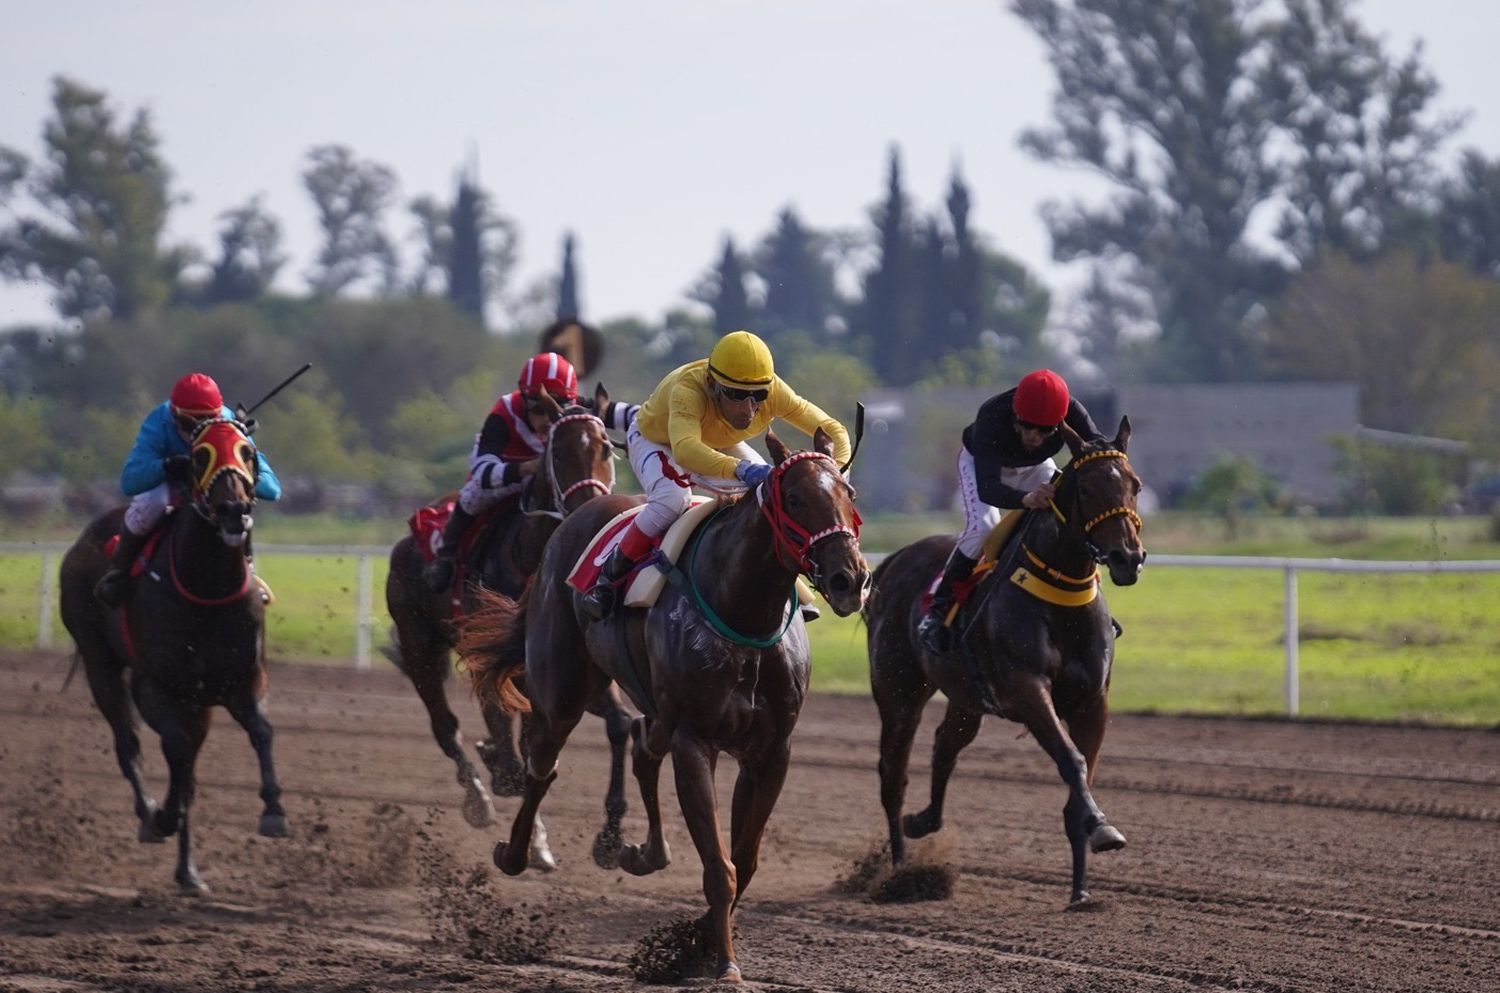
{"points": [[740, 396], [1039, 428]]}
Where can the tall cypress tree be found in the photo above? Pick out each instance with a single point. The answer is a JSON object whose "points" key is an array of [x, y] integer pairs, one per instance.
{"points": [[799, 281], [935, 302], [466, 257], [567, 285], [964, 294], [730, 304], [887, 316]]}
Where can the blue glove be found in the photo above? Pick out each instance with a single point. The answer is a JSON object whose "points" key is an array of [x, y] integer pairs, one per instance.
{"points": [[750, 473]]}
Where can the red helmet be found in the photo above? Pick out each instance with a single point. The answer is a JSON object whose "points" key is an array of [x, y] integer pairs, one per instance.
{"points": [[1042, 398], [550, 372], [197, 395]]}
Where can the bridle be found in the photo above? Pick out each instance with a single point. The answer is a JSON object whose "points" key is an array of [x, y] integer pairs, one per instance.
{"points": [[1082, 531], [238, 461], [560, 494], [793, 542]]}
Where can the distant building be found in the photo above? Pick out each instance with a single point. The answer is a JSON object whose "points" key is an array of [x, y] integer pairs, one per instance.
{"points": [[1177, 431]]}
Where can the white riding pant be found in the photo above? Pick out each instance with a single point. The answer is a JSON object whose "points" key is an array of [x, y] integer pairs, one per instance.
{"points": [[667, 498], [147, 509], [979, 517]]}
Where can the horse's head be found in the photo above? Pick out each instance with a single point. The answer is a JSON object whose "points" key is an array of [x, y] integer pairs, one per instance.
{"points": [[222, 486], [579, 461], [1096, 498], [811, 509]]}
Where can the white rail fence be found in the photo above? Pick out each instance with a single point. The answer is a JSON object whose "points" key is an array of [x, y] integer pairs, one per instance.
{"points": [[364, 597]]}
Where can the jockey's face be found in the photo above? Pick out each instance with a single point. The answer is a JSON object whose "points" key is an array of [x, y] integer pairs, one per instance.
{"points": [[737, 407], [186, 424]]}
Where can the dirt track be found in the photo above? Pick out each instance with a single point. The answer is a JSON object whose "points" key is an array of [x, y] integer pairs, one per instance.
{"points": [[1262, 856]]}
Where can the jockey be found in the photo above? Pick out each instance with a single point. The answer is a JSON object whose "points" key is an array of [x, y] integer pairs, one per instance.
{"points": [[1005, 462], [507, 451], [156, 465], [696, 423]]}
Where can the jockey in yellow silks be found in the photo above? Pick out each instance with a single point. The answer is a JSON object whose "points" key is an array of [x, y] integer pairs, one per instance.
{"points": [[693, 428]]}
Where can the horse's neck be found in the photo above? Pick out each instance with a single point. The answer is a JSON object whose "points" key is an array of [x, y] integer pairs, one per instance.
{"points": [[200, 559], [738, 572], [1052, 542]]}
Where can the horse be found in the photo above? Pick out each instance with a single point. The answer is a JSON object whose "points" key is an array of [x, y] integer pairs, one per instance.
{"points": [[577, 466], [718, 663], [1037, 646], [188, 637]]}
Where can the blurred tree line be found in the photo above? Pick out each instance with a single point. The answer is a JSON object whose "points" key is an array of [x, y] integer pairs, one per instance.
{"points": [[1277, 208]]}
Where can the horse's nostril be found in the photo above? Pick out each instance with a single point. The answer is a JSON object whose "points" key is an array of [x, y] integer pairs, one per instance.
{"points": [[840, 583]]}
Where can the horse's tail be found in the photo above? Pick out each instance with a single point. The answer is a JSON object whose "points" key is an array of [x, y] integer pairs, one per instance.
{"points": [[492, 645]]}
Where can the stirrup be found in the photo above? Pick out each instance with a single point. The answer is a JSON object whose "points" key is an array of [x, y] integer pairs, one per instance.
{"points": [[438, 574], [933, 634], [600, 601], [112, 587]]}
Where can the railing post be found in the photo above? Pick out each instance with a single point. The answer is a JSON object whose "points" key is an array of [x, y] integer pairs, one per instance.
{"points": [[44, 608], [364, 611], [1293, 637]]}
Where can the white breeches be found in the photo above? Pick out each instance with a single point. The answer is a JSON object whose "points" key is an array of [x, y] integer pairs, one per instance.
{"points": [[147, 509], [980, 517], [667, 498]]}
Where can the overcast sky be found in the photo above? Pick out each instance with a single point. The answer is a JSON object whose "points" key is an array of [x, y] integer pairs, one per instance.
{"points": [[651, 128]]}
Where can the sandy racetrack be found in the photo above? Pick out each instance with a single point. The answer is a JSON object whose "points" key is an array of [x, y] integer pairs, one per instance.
{"points": [[1263, 855]]}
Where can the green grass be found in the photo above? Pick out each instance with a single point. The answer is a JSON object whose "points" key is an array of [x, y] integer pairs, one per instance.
{"points": [[1208, 640]]}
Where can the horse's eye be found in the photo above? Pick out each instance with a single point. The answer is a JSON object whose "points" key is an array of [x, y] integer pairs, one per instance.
{"points": [[246, 453]]}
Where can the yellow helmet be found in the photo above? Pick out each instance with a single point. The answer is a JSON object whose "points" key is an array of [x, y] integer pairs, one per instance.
{"points": [[741, 359]]}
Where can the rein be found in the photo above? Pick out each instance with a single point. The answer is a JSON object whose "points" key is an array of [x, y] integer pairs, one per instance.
{"points": [[714, 620], [559, 494], [1082, 532]]}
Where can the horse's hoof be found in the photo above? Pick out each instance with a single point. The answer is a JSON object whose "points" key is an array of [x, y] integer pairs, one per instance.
{"points": [[190, 883], [503, 861], [607, 844], [147, 832], [921, 825], [729, 974], [1083, 903], [275, 826], [633, 859], [479, 810], [165, 825], [1106, 838], [507, 777]]}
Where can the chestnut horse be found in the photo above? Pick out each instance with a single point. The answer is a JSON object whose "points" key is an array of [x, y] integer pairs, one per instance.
{"points": [[718, 664], [578, 465], [1036, 645], [189, 637]]}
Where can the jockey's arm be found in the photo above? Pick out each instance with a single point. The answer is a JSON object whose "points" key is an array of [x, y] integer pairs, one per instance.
{"points": [[153, 442], [685, 433], [267, 485], [808, 417]]}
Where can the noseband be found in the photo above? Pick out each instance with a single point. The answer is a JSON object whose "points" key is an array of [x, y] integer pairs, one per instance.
{"points": [[559, 493], [1082, 532], [793, 541]]}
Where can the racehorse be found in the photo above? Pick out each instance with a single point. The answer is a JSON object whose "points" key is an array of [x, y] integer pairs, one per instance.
{"points": [[1036, 645], [718, 663], [189, 635], [577, 465]]}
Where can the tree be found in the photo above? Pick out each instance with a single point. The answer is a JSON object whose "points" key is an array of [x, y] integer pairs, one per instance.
{"points": [[1468, 218], [466, 283], [887, 316], [249, 255], [798, 278], [351, 198], [730, 305], [1421, 339], [567, 284], [468, 247], [1357, 168], [1153, 96], [964, 277], [97, 209]]}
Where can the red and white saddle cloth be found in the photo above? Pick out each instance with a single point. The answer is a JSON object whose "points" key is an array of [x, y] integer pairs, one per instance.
{"points": [[428, 523], [644, 584]]}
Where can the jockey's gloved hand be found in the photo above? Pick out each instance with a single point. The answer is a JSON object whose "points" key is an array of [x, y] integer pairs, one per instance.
{"points": [[246, 421], [177, 467], [751, 473]]}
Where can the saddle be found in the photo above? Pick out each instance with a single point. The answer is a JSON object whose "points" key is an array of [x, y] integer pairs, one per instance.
{"points": [[427, 526], [644, 584]]}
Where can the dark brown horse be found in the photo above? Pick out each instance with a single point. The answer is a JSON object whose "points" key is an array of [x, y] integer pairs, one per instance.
{"points": [[578, 465], [718, 663], [189, 637], [1036, 645]]}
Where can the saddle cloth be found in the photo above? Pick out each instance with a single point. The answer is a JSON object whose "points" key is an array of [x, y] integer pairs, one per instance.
{"points": [[428, 523], [988, 556], [644, 585]]}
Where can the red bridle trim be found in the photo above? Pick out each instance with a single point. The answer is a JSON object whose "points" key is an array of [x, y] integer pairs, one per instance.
{"points": [[793, 538]]}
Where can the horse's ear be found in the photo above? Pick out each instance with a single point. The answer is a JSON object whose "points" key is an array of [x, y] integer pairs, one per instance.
{"points": [[777, 449], [549, 406], [1122, 436], [823, 442], [1074, 442], [601, 399]]}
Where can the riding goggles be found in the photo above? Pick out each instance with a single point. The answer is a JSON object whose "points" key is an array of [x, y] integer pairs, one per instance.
{"points": [[740, 396], [1039, 428]]}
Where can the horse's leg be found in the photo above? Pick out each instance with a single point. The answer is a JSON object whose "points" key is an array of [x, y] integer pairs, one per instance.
{"points": [[250, 712], [107, 684], [755, 793], [425, 670], [647, 753], [182, 731], [548, 735], [1082, 817], [1087, 730], [901, 691], [693, 770], [953, 735], [617, 728], [507, 766]]}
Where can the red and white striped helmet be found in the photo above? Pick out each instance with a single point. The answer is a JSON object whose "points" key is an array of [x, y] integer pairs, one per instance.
{"points": [[550, 372]]}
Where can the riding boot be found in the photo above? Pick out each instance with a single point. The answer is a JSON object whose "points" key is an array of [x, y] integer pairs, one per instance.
{"points": [[932, 630], [115, 583], [439, 572], [600, 600]]}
